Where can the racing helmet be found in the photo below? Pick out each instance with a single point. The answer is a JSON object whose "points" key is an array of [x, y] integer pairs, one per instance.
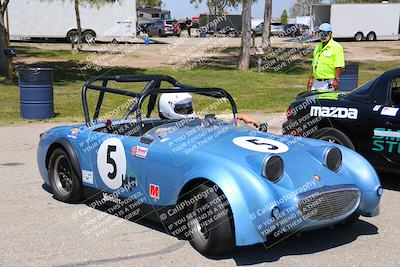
{"points": [[176, 106]]}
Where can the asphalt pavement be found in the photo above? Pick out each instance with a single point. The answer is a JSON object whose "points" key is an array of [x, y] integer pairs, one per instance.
{"points": [[37, 230]]}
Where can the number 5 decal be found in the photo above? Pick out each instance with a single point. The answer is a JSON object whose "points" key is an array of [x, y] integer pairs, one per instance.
{"points": [[111, 163], [260, 144]]}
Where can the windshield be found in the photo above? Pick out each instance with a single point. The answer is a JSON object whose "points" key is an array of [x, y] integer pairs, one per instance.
{"points": [[364, 89], [193, 126], [188, 125]]}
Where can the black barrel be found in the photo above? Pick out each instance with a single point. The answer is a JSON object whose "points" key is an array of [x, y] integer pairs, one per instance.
{"points": [[349, 78], [36, 93]]}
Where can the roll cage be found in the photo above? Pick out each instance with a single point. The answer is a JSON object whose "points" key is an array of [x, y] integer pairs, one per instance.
{"points": [[152, 89]]}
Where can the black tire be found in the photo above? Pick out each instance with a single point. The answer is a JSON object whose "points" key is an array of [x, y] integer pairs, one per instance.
{"points": [[359, 36], [72, 36], [334, 136], [89, 37], [64, 181], [208, 235], [371, 36], [160, 34]]}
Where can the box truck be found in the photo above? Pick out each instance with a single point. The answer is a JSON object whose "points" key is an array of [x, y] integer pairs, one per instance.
{"points": [[56, 19], [379, 21]]}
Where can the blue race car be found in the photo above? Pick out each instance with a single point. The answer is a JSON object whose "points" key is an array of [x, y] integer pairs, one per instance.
{"points": [[211, 180]]}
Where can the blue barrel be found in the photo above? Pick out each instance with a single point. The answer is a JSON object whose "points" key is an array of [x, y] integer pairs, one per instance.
{"points": [[349, 78], [36, 93]]}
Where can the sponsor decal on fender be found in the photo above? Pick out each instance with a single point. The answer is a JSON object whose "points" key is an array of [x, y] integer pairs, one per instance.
{"points": [[139, 151], [334, 112], [74, 134], [154, 191], [87, 177], [386, 140]]}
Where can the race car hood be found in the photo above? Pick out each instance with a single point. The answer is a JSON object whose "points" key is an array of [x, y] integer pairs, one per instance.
{"points": [[231, 146]]}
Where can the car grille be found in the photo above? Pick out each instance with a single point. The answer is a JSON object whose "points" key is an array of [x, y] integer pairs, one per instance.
{"points": [[329, 203]]}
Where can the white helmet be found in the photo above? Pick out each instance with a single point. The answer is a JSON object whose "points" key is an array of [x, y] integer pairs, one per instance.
{"points": [[176, 106]]}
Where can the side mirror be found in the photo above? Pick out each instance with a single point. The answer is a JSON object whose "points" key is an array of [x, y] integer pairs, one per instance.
{"points": [[263, 128]]}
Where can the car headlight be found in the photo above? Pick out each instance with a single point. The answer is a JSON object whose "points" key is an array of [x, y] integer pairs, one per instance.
{"points": [[273, 168], [333, 158]]}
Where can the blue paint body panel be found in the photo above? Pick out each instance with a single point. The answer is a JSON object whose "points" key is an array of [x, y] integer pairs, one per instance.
{"points": [[237, 172]]}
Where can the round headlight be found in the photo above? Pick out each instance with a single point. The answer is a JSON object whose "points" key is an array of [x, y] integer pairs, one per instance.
{"points": [[333, 159], [273, 168]]}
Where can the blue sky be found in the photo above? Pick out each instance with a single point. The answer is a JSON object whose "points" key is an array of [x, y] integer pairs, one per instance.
{"points": [[183, 8]]}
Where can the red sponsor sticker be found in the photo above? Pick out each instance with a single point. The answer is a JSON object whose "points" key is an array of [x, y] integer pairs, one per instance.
{"points": [[154, 191], [140, 152], [134, 151]]}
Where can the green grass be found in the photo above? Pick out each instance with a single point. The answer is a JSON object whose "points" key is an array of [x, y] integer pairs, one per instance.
{"points": [[392, 51], [50, 54], [253, 92]]}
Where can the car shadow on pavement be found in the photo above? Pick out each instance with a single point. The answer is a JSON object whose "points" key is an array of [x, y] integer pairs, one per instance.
{"points": [[306, 243], [389, 181]]}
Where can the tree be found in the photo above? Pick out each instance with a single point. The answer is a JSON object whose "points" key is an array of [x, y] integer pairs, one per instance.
{"points": [[302, 7], [78, 24], [77, 4], [217, 7], [149, 3], [284, 17], [266, 36], [4, 60], [244, 58]]}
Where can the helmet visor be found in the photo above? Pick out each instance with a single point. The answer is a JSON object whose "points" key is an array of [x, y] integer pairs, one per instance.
{"points": [[184, 108]]}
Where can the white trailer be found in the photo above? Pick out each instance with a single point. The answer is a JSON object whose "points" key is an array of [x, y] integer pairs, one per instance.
{"points": [[56, 19], [379, 21]]}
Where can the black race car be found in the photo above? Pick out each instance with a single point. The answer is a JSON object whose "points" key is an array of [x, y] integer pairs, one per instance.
{"points": [[366, 119]]}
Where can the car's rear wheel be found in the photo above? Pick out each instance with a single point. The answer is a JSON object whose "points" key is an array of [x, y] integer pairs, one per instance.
{"points": [[371, 36], [89, 36], [63, 179], [72, 36], [359, 36], [335, 136], [210, 222]]}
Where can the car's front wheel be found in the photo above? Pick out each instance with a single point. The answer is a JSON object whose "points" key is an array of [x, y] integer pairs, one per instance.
{"points": [[335, 136], [210, 221], [63, 179]]}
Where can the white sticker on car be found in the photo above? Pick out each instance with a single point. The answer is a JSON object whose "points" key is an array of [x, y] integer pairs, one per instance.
{"points": [[334, 112], [260, 144], [377, 107], [388, 111], [111, 163], [87, 177]]}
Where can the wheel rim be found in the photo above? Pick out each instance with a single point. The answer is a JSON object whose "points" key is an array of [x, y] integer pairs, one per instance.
{"points": [[62, 175], [199, 230], [73, 38], [89, 37], [371, 37], [358, 37]]}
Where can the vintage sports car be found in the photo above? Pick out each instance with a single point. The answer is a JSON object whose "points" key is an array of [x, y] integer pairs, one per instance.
{"points": [[216, 182], [366, 120]]}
